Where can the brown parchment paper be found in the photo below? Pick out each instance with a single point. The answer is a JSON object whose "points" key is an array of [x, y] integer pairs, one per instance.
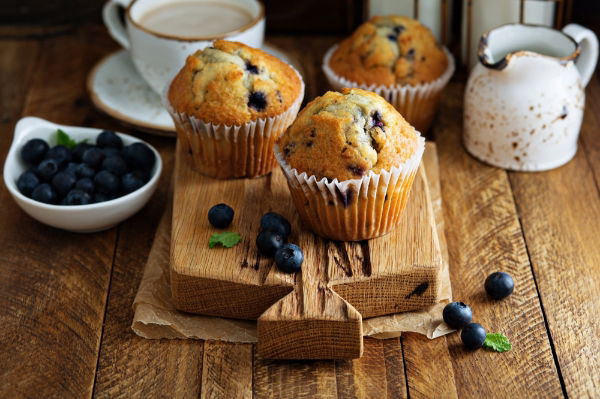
{"points": [[155, 316]]}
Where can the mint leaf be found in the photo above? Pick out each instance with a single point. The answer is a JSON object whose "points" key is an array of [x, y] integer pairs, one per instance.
{"points": [[497, 342], [227, 239], [63, 138]]}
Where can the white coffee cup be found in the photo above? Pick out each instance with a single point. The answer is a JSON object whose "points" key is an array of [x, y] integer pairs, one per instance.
{"points": [[159, 56]]}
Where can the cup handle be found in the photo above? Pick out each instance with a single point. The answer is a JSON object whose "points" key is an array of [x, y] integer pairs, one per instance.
{"points": [[112, 20], [588, 42]]}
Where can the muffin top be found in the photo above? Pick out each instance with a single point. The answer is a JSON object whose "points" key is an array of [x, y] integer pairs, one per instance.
{"points": [[345, 135], [390, 50], [231, 83]]}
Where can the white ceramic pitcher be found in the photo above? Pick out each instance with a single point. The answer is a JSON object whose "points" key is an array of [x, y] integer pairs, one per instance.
{"points": [[524, 100]]}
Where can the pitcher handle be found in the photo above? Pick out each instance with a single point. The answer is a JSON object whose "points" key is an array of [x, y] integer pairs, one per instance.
{"points": [[110, 15], [588, 42]]}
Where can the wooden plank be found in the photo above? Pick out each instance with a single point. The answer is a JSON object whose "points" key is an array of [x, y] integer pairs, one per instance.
{"points": [[54, 284], [299, 379], [367, 377], [560, 214], [590, 144], [485, 236], [227, 370]]}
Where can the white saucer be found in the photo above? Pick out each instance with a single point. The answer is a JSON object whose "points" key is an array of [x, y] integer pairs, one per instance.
{"points": [[117, 89]]}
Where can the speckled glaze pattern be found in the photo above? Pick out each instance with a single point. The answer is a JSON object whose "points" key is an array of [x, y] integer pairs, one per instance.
{"points": [[524, 113]]}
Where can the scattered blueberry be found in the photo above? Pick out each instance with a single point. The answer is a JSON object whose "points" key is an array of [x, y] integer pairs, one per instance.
{"points": [[289, 258], [77, 197], [79, 150], [84, 170], [257, 100], [473, 335], [115, 165], [44, 193], [277, 223], [268, 242], [499, 285], [47, 169], [220, 215], [457, 315], [27, 182], [86, 184], [61, 154], [93, 157], [106, 182], [34, 151], [131, 181], [109, 139], [62, 182], [139, 156]]}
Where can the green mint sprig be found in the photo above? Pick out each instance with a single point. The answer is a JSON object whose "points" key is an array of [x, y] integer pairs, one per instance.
{"points": [[227, 239], [497, 342], [63, 138]]}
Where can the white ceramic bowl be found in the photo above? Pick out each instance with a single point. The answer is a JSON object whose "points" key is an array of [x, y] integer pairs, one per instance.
{"points": [[77, 218]]}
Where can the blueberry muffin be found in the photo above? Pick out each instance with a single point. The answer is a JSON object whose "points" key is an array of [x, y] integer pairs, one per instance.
{"points": [[230, 103], [350, 159], [390, 50], [355, 131], [398, 58]]}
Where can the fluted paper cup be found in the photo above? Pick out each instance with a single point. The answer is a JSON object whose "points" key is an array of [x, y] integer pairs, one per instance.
{"points": [[235, 151], [356, 209], [416, 103]]}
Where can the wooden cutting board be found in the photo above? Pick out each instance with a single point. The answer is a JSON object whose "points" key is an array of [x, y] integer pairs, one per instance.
{"points": [[316, 313]]}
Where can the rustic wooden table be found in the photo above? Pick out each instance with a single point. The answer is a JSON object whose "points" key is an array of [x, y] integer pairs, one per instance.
{"points": [[65, 299]]}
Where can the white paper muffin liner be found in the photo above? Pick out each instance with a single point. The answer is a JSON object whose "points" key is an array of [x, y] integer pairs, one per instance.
{"points": [[355, 209], [417, 104], [235, 151]]}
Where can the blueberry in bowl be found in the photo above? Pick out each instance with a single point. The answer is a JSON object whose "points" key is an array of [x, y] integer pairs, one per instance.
{"points": [[79, 179]]}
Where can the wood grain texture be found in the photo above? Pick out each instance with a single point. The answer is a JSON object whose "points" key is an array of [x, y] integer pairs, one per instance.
{"points": [[53, 284], [379, 373], [227, 370], [485, 236], [298, 379], [590, 139], [563, 247]]}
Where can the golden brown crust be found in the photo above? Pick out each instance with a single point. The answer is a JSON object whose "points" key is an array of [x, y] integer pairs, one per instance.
{"points": [[390, 50], [345, 135], [232, 84]]}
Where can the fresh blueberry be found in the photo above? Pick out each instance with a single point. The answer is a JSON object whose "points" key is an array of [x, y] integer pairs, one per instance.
{"points": [[84, 170], [139, 156], [62, 182], [34, 151], [499, 285], [268, 242], [71, 168], [100, 197], [277, 223], [457, 315], [93, 157], [77, 197], [86, 184], [131, 181], [106, 182], [79, 150], [60, 153], [27, 182], [111, 152], [289, 258], [44, 193], [220, 215], [473, 335], [115, 165], [47, 169], [257, 100], [109, 139]]}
